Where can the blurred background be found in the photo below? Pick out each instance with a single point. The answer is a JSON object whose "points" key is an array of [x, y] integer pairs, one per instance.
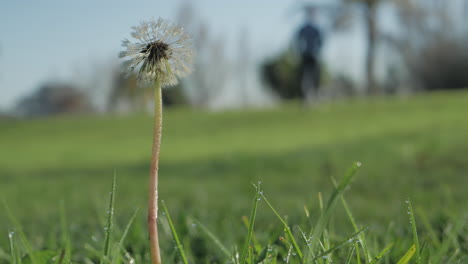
{"points": [[56, 60], [392, 95]]}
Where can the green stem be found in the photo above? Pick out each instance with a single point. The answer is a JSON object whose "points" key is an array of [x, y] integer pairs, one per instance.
{"points": [[153, 183]]}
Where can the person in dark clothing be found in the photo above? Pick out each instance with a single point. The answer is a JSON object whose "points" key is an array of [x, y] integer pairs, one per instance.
{"points": [[309, 44]]}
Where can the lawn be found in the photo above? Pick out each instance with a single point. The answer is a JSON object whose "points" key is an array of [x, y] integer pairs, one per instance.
{"points": [[410, 147]]}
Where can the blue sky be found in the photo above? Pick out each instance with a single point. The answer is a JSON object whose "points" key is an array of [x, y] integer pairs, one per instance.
{"points": [[50, 39]]}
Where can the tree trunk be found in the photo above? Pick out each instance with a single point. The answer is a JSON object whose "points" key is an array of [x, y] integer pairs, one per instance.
{"points": [[371, 25]]}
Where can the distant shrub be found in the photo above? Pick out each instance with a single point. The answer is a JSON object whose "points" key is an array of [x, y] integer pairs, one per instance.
{"points": [[54, 98], [440, 64], [281, 74]]}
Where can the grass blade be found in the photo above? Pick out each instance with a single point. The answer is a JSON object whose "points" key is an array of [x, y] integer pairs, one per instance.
{"points": [[255, 242], [382, 254], [215, 240], [96, 253], [362, 236], [21, 234], [408, 255], [415, 231], [340, 244], [288, 256], [63, 223], [325, 217], [179, 245], [304, 237], [61, 258], [65, 254], [124, 235], [286, 229], [12, 247], [109, 225], [427, 226], [452, 258], [253, 215], [326, 245], [445, 245], [350, 255]]}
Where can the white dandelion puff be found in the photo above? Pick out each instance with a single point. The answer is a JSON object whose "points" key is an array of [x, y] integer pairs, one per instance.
{"points": [[161, 52]]}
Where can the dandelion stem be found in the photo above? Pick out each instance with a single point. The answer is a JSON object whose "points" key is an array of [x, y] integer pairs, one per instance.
{"points": [[153, 183]]}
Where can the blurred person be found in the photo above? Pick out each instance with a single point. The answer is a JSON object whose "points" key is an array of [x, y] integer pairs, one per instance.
{"points": [[309, 44]]}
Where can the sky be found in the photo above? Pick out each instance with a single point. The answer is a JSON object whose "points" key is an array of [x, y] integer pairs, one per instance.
{"points": [[56, 39]]}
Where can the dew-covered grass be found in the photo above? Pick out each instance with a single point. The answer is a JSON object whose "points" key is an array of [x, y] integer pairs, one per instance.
{"points": [[56, 175]]}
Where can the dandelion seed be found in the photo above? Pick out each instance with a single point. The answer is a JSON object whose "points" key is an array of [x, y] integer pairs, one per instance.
{"points": [[161, 52]]}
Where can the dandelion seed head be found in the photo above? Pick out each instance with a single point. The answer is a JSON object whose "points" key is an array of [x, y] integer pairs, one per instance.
{"points": [[161, 51]]}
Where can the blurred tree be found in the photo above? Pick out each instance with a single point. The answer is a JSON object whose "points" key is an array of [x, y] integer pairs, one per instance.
{"points": [[54, 98], [124, 88], [221, 79], [370, 8], [211, 68], [243, 64], [432, 43]]}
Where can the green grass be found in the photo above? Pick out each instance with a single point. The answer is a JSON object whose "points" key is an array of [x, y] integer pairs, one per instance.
{"points": [[410, 147]]}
